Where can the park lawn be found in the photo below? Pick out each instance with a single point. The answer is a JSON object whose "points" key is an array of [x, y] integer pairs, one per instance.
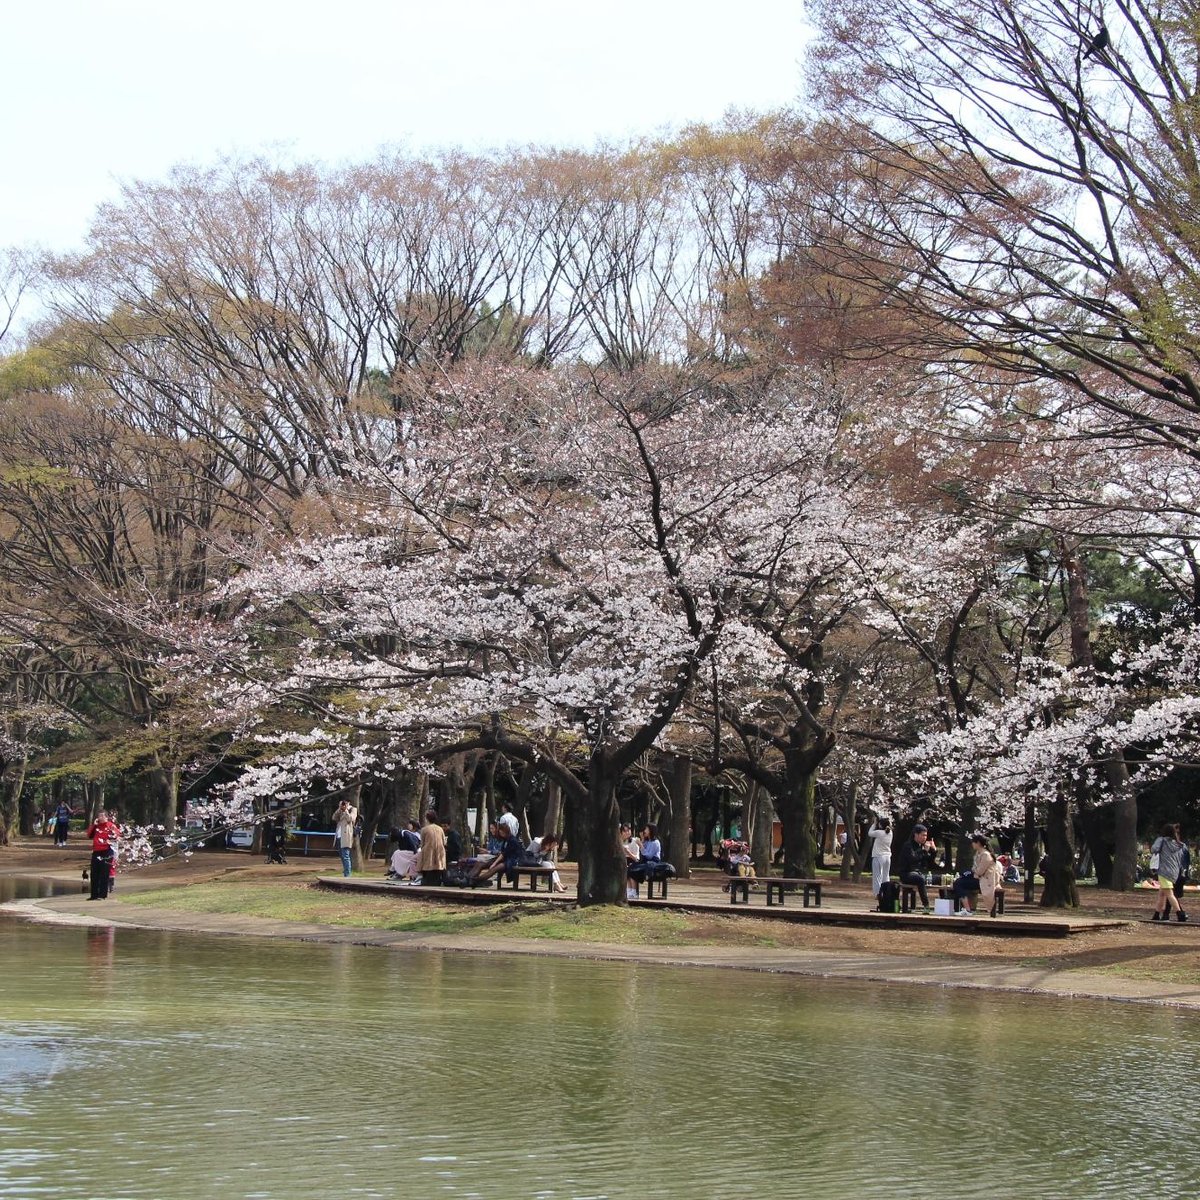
{"points": [[303, 903]]}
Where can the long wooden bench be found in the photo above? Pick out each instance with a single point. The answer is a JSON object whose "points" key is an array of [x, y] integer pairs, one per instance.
{"points": [[775, 885]]}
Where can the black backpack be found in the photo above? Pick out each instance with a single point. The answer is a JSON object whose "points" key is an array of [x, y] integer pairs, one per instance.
{"points": [[889, 896]]}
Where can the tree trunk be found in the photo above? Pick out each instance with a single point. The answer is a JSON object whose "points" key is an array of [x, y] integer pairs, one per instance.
{"points": [[554, 809], [599, 852], [679, 848], [25, 809], [1030, 849], [1060, 890], [164, 794], [762, 824], [1116, 773], [850, 821], [795, 809], [12, 783], [460, 774], [1096, 833]]}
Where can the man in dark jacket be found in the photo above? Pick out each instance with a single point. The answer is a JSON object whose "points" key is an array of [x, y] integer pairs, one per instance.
{"points": [[915, 858]]}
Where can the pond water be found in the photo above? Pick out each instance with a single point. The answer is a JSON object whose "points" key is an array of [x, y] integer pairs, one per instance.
{"points": [[138, 1064]]}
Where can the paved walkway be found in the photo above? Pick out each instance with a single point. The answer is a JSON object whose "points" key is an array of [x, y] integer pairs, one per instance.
{"points": [[973, 974]]}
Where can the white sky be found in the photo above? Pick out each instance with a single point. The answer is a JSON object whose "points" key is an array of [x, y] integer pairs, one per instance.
{"points": [[114, 90]]}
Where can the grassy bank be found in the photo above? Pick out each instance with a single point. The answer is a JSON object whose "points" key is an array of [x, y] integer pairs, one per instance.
{"points": [[302, 902]]}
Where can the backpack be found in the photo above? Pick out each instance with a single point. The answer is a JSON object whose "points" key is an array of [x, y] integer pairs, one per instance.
{"points": [[889, 896]]}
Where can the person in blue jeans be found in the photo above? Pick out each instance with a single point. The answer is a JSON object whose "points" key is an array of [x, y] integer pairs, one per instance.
{"points": [[343, 825]]}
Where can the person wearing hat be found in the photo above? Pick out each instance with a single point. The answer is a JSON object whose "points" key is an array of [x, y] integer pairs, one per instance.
{"points": [[914, 860]]}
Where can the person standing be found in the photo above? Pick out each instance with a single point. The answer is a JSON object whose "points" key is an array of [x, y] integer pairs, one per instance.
{"points": [[880, 834], [431, 861], [104, 833], [62, 821], [344, 820], [1170, 851], [1185, 867], [509, 820]]}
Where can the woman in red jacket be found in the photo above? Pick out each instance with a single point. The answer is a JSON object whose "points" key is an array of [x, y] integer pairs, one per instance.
{"points": [[104, 833]]}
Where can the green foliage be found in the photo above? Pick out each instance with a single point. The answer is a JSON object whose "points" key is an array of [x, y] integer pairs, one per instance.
{"points": [[39, 369]]}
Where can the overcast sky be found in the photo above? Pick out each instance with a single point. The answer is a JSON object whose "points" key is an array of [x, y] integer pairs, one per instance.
{"points": [[115, 90]]}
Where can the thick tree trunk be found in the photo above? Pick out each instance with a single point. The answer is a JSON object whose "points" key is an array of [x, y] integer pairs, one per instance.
{"points": [[762, 823], [164, 794], [460, 773], [552, 823], [1060, 890], [678, 841], [599, 852], [12, 782], [1096, 832], [795, 808], [26, 812]]}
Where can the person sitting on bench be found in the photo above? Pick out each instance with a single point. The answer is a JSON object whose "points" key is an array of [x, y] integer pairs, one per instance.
{"points": [[983, 877], [511, 856], [914, 860], [543, 851]]}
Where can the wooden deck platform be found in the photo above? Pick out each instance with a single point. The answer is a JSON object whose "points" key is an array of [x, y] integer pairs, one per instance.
{"points": [[1019, 921]]}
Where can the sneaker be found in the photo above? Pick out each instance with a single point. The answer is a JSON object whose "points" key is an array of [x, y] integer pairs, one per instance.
{"points": [[1156, 915], [927, 910], [1181, 915], [964, 912]]}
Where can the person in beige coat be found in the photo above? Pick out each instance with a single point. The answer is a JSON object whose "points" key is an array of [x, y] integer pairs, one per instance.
{"points": [[344, 820], [431, 861], [984, 877]]}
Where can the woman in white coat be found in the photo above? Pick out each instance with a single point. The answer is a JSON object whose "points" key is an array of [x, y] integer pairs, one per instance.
{"points": [[880, 834]]}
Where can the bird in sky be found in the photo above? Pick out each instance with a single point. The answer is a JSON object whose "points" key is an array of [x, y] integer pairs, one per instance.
{"points": [[1099, 42]]}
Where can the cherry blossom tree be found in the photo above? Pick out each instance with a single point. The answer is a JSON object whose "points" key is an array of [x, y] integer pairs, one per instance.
{"points": [[540, 565]]}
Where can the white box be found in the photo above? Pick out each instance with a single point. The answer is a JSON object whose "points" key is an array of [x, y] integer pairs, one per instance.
{"points": [[943, 908]]}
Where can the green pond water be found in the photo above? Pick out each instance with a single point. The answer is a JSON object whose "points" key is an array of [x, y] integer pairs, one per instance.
{"points": [[135, 1064]]}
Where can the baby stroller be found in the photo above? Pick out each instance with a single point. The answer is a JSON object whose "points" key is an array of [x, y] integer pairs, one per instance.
{"points": [[734, 859]]}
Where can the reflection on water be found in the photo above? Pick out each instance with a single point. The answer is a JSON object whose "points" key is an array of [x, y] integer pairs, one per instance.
{"points": [[146, 1065]]}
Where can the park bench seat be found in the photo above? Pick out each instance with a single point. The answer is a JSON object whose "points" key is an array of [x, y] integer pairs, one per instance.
{"points": [[533, 874], [946, 892], [775, 885]]}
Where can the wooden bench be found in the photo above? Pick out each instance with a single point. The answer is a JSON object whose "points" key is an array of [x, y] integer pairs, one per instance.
{"points": [[908, 897], [533, 874], [997, 909], [661, 884], [774, 885]]}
